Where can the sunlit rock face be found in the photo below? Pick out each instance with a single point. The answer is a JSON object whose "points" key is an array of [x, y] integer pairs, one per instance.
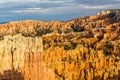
{"points": [[111, 14], [13, 48], [17, 52]]}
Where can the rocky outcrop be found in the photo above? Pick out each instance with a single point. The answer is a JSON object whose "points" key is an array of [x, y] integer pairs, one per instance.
{"points": [[12, 50], [20, 58], [111, 14], [107, 12]]}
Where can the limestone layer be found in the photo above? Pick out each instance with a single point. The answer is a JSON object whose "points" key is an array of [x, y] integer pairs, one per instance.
{"points": [[20, 58]]}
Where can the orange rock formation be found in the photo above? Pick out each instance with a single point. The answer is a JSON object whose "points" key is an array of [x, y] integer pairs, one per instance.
{"points": [[86, 48]]}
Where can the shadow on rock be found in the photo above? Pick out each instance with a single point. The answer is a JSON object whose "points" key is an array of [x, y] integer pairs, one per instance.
{"points": [[11, 75]]}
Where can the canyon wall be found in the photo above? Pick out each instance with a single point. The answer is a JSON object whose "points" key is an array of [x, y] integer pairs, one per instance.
{"points": [[20, 58]]}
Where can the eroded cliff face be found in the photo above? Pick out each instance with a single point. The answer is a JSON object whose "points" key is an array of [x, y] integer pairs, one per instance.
{"points": [[86, 48], [20, 58], [13, 48], [111, 14]]}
